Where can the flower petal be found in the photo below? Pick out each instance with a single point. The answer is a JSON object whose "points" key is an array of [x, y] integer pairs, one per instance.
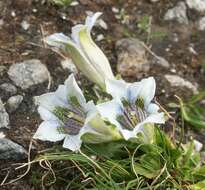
{"points": [[91, 110], [57, 40], [154, 118], [48, 131], [83, 64], [110, 110], [72, 143], [75, 33], [133, 91], [118, 89], [147, 90], [91, 20], [49, 101], [128, 134], [46, 115], [153, 108], [95, 55], [62, 93], [74, 90], [104, 132]]}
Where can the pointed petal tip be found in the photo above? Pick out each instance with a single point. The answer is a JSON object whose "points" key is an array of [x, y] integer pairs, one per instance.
{"points": [[72, 143], [47, 131], [56, 39], [75, 32], [91, 20]]}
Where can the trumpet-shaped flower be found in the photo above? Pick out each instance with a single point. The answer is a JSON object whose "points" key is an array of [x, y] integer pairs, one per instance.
{"points": [[131, 108], [87, 56], [68, 116]]}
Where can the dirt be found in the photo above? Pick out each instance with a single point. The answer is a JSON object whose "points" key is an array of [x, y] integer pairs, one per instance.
{"points": [[44, 18]]}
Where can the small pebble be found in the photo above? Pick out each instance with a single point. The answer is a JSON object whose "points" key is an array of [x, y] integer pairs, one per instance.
{"points": [[14, 102]]}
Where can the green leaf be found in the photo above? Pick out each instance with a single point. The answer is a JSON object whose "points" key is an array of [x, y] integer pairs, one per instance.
{"points": [[148, 165], [198, 186], [190, 116]]}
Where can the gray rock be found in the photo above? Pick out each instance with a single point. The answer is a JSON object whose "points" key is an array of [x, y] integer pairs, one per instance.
{"points": [[2, 70], [4, 117], [198, 5], [3, 5], [14, 102], [177, 81], [201, 24], [177, 13], [160, 61], [28, 73], [11, 150], [25, 25], [131, 57], [68, 64], [8, 89]]}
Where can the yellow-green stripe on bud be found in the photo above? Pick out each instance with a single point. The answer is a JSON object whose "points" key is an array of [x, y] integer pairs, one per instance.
{"points": [[102, 131], [84, 65], [94, 54]]}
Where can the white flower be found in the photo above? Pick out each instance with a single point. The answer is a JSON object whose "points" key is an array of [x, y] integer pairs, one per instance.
{"points": [[131, 108], [198, 145], [87, 56], [68, 116]]}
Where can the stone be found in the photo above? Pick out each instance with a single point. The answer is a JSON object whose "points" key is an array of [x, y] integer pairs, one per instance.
{"points": [[201, 24], [198, 5], [28, 73], [3, 7], [177, 13], [160, 61], [102, 24], [100, 37], [4, 117], [67, 64], [131, 57], [2, 70], [10, 150], [74, 3], [1, 23], [25, 25], [13, 103], [2, 135], [177, 81], [8, 89]]}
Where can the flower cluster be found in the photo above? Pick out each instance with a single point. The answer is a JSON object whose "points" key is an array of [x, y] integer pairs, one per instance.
{"points": [[68, 116]]}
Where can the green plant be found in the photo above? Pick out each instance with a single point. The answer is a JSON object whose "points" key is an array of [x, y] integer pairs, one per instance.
{"points": [[61, 2], [192, 112], [127, 165]]}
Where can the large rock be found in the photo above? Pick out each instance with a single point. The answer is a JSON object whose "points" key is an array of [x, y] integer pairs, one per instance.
{"points": [[177, 81], [10, 150], [131, 57], [177, 13], [4, 117], [198, 5], [28, 73]]}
